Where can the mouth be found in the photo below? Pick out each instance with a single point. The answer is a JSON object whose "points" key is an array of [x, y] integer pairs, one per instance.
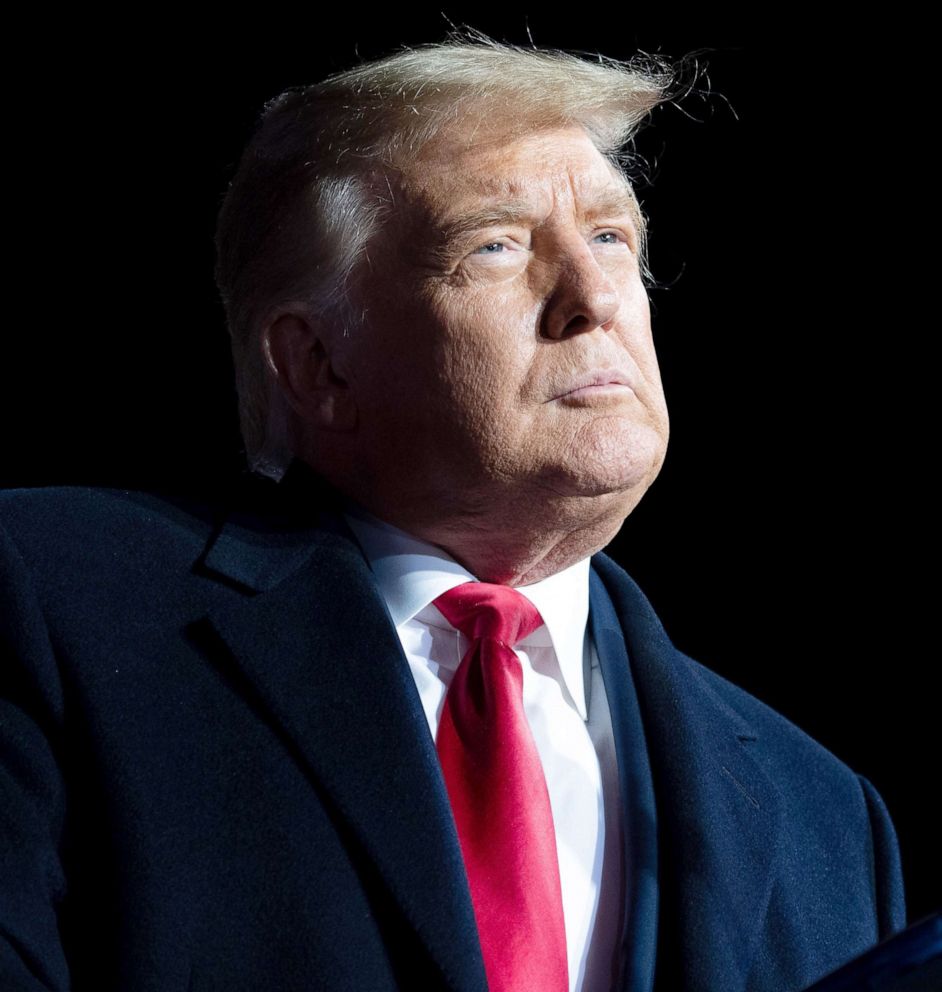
{"points": [[598, 384]]}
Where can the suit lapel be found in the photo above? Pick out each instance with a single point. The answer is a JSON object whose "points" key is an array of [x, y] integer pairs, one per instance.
{"points": [[321, 658], [636, 967], [717, 812]]}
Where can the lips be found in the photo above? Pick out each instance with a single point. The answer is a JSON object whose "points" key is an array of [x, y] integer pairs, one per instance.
{"points": [[598, 382]]}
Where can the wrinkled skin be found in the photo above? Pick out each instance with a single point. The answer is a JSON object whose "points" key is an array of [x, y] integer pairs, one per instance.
{"points": [[502, 398]]}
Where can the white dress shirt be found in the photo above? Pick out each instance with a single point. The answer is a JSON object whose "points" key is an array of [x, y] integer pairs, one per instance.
{"points": [[411, 574]]}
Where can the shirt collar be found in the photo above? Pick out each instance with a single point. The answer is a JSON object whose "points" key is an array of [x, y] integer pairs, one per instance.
{"points": [[411, 573]]}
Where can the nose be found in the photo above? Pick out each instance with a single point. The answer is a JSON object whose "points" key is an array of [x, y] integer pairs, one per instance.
{"points": [[583, 297]]}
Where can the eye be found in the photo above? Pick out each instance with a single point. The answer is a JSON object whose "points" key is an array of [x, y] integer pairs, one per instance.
{"points": [[620, 238], [508, 249]]}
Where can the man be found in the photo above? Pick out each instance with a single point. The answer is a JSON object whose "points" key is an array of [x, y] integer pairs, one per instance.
{"points": [[289, 746]]}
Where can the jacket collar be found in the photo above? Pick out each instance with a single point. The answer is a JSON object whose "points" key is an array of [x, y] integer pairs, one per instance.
{"points": [[270, 529]]}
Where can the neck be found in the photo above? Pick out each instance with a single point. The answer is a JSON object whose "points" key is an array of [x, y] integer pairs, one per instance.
{"points": [[521, 563], [509, 534], [513, 550]]}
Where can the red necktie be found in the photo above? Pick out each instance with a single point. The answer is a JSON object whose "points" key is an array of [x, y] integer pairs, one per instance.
{"points": [[498, 794]]}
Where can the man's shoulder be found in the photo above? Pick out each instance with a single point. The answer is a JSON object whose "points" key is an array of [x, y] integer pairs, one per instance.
{"points": [[95, 561], [85, 544], [96, 504], [49, 519], [62, 524], [785, 747], [782, 739]]}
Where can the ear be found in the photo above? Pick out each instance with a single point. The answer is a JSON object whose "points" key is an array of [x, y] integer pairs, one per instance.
{"points": [[299, 350]]}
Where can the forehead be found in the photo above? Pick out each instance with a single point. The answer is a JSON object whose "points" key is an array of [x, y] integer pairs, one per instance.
{"points": [[545, 170]]}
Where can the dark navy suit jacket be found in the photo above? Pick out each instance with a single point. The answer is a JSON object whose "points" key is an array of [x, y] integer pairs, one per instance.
{"points": [[215, 773]]}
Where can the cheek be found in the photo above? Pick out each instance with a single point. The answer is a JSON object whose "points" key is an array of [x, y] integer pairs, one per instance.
{"points": [[483, 359], [638, 341]]}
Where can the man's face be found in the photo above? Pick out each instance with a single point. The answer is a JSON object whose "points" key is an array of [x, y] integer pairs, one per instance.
{"points": [[507, 348]]}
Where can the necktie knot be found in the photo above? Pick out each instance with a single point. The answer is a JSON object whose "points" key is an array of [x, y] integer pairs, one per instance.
{"points": [[484, 609]]}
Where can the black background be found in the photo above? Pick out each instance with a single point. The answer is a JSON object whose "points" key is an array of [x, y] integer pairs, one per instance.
{"points": [[787, 543]]}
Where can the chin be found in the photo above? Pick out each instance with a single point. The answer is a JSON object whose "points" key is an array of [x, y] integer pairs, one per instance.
{"points": [[628, 485], [630, 480], [625, 462]]}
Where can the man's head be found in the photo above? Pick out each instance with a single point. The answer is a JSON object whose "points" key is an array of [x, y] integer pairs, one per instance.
{"points": [[432, 267]]}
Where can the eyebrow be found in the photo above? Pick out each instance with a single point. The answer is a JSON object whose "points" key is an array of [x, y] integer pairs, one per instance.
{"points": [[505, 212], [610, 202], [615, 202]]}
